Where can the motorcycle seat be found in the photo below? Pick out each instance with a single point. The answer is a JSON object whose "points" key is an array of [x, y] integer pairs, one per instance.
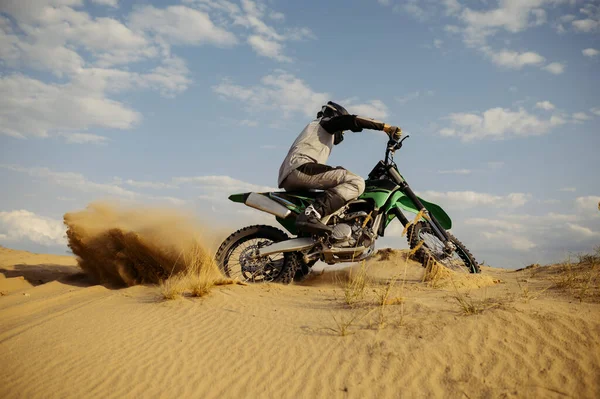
{"points": [[312, 193]]}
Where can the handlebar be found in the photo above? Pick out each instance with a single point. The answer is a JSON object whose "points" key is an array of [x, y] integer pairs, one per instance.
{"points": [[392, 147]]}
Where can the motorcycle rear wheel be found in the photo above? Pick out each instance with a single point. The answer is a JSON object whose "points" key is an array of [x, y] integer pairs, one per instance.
{"points": [[460, 259], [236, 256]]}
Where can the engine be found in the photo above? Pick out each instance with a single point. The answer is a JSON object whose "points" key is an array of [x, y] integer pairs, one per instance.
{"points": [[349, 231]]}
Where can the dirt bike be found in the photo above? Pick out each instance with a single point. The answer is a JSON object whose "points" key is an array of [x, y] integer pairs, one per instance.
{"points": [[264, 253]]}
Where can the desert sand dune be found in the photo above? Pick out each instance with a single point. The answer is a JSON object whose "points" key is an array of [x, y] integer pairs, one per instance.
{"points": [[326, 337]]}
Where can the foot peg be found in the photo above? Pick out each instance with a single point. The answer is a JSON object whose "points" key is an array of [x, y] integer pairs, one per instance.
{"points": [[309, 221]]}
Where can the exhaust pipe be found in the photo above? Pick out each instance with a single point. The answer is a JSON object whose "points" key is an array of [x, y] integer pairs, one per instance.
{"points": [[295, 244], [265, 204]]}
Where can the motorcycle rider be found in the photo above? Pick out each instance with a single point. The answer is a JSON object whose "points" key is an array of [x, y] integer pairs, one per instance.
{"points": [[304, 166]]}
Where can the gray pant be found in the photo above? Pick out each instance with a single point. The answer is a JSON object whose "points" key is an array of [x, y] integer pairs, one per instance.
{"points": [[346, 185]]}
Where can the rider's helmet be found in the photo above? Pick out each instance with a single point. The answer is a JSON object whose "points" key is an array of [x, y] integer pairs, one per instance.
{"points": [[332, 109]]}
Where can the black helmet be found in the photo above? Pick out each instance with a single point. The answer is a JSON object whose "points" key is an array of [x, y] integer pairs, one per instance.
{"points": [[332, 109]]}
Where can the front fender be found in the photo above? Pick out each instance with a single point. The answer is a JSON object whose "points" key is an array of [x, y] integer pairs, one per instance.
{"points": [[403, 202]]}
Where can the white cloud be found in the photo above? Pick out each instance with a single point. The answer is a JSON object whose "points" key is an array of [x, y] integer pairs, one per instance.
{"points": [[452, 6], [545, 105], [509, 16], [501, 238], [595, 111], [452, 29], [583, 231], [555, 68], [253, 19], [498, 123], [524, 232], [585, 25], [567, 18], [589, 204], [268, 48], [419, 9], [512, 16], [375, 109], [110, 3], [34, 108], [414, 95], [437, 43], [495, 164], [568, 189], [84, 138], [477, 25], [248, 122], [221, 184], [590, 52], [502, 233], [149, 184], [277, 16], [72, 180], [224, 6], [590, 21], [16, 52], [114, 189], [280, 90], [581, 117], [513, 59], [181, 25], [60, 37], [455, 172], [495, 223], [550, 201], [265, 40], [51, 36], [55, 37], [550, 234], [23, 224], [471, 199], [298, 34]]}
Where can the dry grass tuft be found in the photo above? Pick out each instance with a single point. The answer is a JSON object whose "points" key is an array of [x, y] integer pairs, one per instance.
{"points": [[201, 274], [172, 288], [470, 306], [368, 301], [344, 323], [436, 275], [528, 294], [355, 285], [385, 253], [385, 299], [582, 280]]}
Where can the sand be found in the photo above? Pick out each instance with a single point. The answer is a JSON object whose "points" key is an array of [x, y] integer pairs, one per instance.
{"points": [[64, 336]]}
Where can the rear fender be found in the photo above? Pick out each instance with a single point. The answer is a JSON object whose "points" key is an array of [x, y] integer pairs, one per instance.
{"points": [[287, 219]]}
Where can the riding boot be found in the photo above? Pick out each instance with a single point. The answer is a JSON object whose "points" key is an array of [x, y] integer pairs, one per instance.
{"points": [[324, 204]]}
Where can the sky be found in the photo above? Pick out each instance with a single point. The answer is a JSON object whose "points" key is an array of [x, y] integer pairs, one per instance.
{"points": [[181, 103]]}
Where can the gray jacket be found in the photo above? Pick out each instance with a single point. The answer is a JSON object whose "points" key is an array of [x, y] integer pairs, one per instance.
{"points": [[312, 145], [318, 137]]}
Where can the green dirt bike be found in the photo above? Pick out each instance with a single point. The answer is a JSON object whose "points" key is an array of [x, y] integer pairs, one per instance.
{"points": [[263, 253]]}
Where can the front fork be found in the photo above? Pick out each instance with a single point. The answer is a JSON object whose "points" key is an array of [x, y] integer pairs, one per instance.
{"points": [[438, 230]]}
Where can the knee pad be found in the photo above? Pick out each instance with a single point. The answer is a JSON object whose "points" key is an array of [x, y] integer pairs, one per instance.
{"points": [[357, 182]]}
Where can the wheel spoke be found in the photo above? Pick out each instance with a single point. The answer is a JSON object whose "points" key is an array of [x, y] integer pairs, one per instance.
{"points": [[438, 250], [253, 269]]}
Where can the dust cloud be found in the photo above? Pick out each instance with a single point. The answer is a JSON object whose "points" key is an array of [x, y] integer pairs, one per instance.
{"points": [[137, 245]]}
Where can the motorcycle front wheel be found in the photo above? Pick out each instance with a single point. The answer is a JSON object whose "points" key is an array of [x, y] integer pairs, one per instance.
{"points": [[458, 258]]}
